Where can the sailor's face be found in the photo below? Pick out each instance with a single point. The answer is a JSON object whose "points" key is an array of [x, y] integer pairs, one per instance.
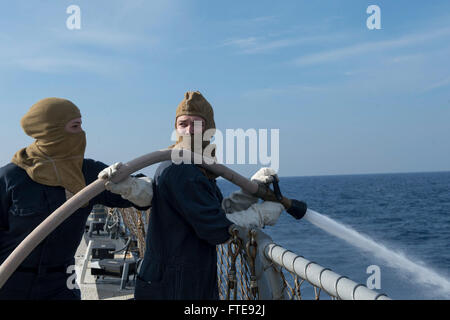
{"points": [[74, 126], [189, 125]]}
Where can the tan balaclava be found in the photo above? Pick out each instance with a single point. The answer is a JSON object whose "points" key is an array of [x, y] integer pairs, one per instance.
{"points": [[56, 157], [194, 104]]}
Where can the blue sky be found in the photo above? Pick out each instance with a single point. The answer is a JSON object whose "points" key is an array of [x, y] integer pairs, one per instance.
{"points": [[346, 99]]}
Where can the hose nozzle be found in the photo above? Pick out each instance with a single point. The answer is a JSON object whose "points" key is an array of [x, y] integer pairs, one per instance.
{"points": [[295, 208]]}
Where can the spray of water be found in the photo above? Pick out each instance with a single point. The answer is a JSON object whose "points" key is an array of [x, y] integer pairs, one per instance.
{"points": [[421, 274]]}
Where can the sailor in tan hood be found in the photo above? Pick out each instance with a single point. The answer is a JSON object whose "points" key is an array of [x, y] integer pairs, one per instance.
{"points": [[189, 215], [39, 179], [194, 108], [56, 157]]}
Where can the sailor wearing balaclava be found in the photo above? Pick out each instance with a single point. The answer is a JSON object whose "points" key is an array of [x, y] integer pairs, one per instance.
{"points": [[39, 179], [189, 216]]}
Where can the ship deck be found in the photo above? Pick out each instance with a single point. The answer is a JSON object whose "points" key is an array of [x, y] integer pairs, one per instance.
{"points": [[100, 287]]}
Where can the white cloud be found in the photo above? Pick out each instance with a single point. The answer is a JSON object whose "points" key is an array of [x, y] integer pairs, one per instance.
{"points": [[402, 75], [438, 84], [369, 47], [283, 90], [113, 39], [252, 22], [242, 43], [263, 44], [70, 64], [62, 51], [105, 44]]}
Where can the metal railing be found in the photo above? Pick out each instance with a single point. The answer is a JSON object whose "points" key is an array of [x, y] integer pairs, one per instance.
{"points": [[270, 267]]}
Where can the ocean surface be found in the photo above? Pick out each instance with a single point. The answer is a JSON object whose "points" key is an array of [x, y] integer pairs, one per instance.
{"points": [[408, 213]]}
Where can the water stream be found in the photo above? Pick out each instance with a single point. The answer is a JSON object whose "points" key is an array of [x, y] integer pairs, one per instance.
{"points": [[421, 274]]}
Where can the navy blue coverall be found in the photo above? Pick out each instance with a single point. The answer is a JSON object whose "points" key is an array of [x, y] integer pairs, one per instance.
{"points": [[24, 204], [186, 223]]}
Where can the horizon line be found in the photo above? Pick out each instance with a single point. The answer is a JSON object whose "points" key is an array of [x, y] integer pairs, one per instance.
{"points": [[364, 174], [358, 174]]}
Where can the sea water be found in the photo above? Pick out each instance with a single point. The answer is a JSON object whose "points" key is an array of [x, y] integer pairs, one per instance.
{"points": [[399, 223], [421, 273]]}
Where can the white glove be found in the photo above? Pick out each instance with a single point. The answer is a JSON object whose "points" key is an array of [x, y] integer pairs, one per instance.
{"points": [[264, 175], [238, 201], [137, 190], [241, 200], [257, 215]]}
